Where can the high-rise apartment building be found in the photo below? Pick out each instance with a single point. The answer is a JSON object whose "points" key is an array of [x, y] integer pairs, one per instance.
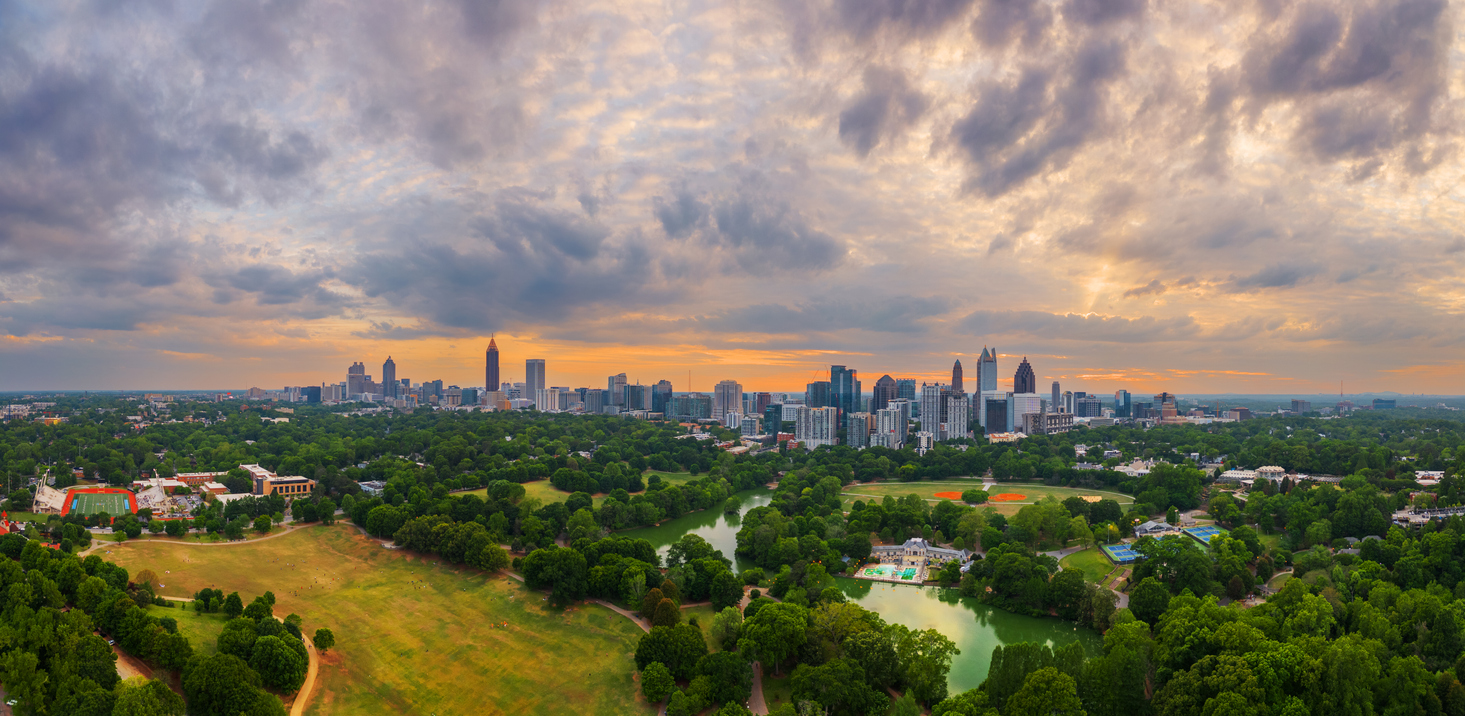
{"points": [[932, 395], [1087, 406], [956, 385], [885, 391], [858, 433], [594, 401], [1301, 406], [694, 406], [661, 396], [615, 389], [389, 379], [534, 377], [957, 417], [987, 370], [355, 380], [844, 391], [761, 401], [1025, 380], [773, 418], [727, 397], [817, 426], [491, 367], [816, 394], [890, 427]]}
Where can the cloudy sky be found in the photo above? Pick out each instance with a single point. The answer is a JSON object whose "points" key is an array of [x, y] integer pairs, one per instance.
{"points": [[1223, 196]]}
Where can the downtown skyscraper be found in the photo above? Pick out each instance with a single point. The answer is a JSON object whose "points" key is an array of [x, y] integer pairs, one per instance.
{"points": [[389, 378], [844, 391], [987, 371], [533, 376], [491, 366], [1025, 380]]}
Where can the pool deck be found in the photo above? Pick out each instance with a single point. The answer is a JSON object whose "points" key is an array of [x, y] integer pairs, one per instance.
{"points": [[895, 568]]}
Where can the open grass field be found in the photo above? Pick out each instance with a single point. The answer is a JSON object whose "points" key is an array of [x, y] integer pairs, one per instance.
{"points": [[1094, 565], [415, 636], [704, 615], [202, 630], [928, 490], [777, 691], [546, 493]]}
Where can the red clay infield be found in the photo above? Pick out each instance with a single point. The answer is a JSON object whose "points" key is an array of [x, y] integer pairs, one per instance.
{"points": [[949, 495], [1008, 497]]}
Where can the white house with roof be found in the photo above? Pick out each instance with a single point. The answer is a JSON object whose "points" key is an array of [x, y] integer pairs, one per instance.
{"points": [[917, 548]]}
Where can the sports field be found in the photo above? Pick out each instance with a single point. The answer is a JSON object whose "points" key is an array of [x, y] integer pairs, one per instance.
{"points": [[1091, 562], [96, 501], [1031, 493], [415, 636], [1204, 533]]}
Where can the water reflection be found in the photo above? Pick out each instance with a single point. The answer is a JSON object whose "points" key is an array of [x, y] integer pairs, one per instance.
{"points": [[975, 627], [720, 530]]}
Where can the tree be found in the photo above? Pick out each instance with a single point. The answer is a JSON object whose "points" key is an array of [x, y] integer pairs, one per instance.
{"points": [[563, 570], [1149, 600], [656, 682], [677, 647], [146, 579], [727, 590], [491, 558], [730, 676], [238, 638], [146, 697], [279, 663], [925, 658], [324, 639], [727, 625], [838, 685], [905, 706], [650, 601], [233, 605], [1046, 692], [667, 614], [774, 633], [223, 685]]}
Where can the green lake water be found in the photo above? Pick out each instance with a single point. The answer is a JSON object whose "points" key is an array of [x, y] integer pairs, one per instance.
{"points": [[975, 627], [720, 531]]}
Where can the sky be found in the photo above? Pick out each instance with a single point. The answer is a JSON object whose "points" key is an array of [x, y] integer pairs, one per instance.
{"points": [[1250, 196]]}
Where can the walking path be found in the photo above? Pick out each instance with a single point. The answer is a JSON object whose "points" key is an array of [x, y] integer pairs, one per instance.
{"points": [[286, 529], [756, 704], [303, 695]]}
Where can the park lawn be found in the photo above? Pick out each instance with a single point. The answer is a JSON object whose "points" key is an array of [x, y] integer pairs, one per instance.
{"points": [[777, 691], [1269, 542], [704, 614], [1092, 562], [538, 489], [928, 490], [414, 635], [202, 630], [1279, 581]]}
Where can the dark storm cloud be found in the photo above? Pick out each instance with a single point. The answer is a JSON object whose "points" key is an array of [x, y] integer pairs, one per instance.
{"points": [[680, 214], [526, 263], [999, 22], [1275, 276], [766, 234], [1153, 288], [888, 314], [1368, 76], [277, 285], [1101, 12], [1038, 120], [863, 18], [887, 106], [1071, 326]]}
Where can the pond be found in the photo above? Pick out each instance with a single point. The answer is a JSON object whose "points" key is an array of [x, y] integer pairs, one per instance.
{"points": [[975, 627], [720, 531]]}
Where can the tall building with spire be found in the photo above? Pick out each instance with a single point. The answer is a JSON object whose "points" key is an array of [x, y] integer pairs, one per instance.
{"points": [[389, 378], [491, 366], [956, 386], [987, 370], [1024, 381]]}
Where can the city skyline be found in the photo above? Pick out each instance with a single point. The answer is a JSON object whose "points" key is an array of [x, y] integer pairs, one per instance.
{"points": [[1193, 196]]}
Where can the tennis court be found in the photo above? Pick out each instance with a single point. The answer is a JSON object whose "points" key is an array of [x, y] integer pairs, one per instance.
{"points": [[91, 502], [1204, 534], [1122, 554]]}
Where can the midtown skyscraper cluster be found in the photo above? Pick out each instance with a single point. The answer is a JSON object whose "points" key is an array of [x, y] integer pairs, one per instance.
{"points": [[837, 411]]}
